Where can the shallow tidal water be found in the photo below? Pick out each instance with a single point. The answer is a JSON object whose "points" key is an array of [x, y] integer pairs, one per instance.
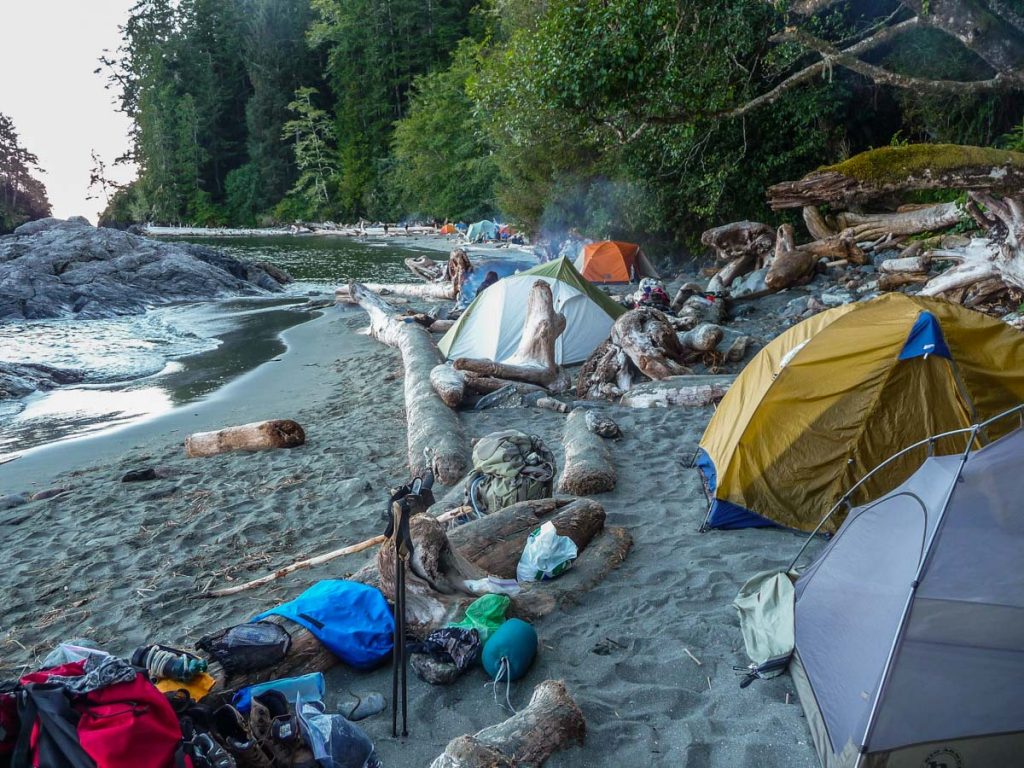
{"points": [[143, 365]]}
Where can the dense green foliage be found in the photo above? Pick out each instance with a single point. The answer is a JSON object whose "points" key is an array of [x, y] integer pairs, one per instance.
{"points": [[617, 117], [22, 194]]}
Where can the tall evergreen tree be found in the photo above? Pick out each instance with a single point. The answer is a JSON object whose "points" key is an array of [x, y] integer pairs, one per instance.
{"points": [[22, 194]]}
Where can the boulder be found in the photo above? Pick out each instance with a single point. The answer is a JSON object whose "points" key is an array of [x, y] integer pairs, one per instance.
{"points": [[54, 268], [20, 379]]}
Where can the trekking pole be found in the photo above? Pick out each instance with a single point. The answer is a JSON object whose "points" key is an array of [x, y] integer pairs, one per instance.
{"points": [[402, 540]]}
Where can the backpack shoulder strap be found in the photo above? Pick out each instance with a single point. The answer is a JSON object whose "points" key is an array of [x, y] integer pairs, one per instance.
{"points": [[57, 742]]}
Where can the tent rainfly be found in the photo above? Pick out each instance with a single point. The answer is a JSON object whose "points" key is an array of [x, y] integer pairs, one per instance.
{"points": [[612, 261], [836, 394], [492, 326], [909, 625], [484, 229]]}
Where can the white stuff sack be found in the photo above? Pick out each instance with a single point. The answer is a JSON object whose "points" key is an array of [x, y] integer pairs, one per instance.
{"points": [[546, 555]]}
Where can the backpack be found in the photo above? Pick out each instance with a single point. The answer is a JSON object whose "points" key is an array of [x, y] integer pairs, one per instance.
{"points": [[126, 724], [509, 466]]}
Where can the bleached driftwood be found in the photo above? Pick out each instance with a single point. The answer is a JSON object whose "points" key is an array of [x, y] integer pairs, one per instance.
{"points": [[649, 340], [550, 722], [449, 384], [435, 437], [588, 467], [742, 245], [685, 391], [534, 359], [704, 338], [258, 436], [425, 268], [426, 291]]}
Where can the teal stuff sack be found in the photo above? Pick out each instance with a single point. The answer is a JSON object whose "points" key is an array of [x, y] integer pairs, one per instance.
{"points": [[516, 641]]}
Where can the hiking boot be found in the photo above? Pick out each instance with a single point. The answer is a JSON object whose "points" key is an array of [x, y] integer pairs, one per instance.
{"points": [[209, 754], [236, 735], [276, 728]]}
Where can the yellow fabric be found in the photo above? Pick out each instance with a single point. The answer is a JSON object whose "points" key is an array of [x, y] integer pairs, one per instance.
{"points": [[197, 688], [793, 434], [609, 261]]}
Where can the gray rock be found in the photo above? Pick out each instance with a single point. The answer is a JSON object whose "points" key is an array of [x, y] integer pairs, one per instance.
{"points": [[836, 298], [162, 492], [49, 493], [751, 283], [795, 307], [53, 268], [139, 475], [361, 706], [432, 670], [20, 379], [602, 425], [13, 500]]}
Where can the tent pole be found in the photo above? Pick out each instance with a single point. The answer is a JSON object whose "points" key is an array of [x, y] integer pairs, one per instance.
{"points": [[974, 429], [905, 616]]}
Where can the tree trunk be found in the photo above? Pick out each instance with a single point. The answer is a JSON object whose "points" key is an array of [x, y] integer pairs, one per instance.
{"points": [[258, 436], [871, 226], [435, 437], [880, 173], [534, 360], [550, 722], [588, 467]]}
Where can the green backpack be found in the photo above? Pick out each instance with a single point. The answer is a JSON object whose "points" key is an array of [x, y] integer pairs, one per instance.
{"points": [[509, 466]]}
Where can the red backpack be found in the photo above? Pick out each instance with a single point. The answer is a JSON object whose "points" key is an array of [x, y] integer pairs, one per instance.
{"points": [[122, 725]]}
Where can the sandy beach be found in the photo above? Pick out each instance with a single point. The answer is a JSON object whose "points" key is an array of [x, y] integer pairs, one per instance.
{"points": [[119, 563]]}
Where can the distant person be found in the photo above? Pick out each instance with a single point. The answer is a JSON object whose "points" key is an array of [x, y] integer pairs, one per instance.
{"points": [[407, 228], [385, 229], [489, 279]]}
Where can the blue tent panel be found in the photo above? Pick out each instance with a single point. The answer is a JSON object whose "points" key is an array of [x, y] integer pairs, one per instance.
{"points": [[925, 339], [724, 514]]}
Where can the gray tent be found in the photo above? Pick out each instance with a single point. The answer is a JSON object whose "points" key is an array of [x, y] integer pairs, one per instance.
{"points": [[910, 624]]}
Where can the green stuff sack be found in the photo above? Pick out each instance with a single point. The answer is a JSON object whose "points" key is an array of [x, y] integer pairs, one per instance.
{"points": [[508, 467], [485, 615], [766, 608]]}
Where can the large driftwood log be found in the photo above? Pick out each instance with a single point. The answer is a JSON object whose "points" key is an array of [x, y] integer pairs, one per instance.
{"points": [[882, 172], [649, 340], [685, 391], [743, 245], [424, 268], [493, 544], [790, 266], [435, 437], [606, 374], [588, 467], [534, 360], [426, 291], [999, 257], [258, 436], [871, 226], [550, 722]]}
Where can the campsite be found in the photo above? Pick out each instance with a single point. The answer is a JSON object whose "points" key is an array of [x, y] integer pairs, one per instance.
{"points": [[512, 383]]}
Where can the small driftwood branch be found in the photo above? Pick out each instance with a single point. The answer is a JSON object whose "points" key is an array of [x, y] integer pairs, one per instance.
{"points": [[281, 572], [588, 465], [550, 722], [258, 436]]}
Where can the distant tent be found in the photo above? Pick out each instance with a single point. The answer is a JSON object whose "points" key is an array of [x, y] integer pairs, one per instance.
{"points": [[448, 229], [492, 325], [613, 261], [505, 231], [909, 625], [833, 396], [484, 229]]}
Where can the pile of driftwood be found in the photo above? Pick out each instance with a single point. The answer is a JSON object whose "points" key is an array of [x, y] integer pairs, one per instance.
{"points": [[853, 214]]}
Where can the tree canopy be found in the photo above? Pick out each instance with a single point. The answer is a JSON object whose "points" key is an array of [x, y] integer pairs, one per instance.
{"points": [[617, 117], [22, 194]]}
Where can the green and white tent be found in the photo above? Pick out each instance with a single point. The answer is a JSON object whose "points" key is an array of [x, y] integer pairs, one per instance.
{"points": [[484, 228], [492, 325]]}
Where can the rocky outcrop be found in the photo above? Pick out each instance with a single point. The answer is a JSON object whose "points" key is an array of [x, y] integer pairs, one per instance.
{"points": [[54, 268], [20, 379]]}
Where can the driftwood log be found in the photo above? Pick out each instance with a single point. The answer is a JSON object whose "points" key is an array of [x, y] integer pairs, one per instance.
{"points": [[790, 265], [881, 172], [449, 384], [258, 436], [686, 391], [743, 245], [550, 722], [426, 291], [493, 544], [588, 467], [424, 268], [650, 342], [534, 360], [435, 437]]}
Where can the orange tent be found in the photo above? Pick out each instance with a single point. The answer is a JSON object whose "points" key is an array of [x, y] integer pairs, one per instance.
{"points": [[448, 229], [612, 261]]}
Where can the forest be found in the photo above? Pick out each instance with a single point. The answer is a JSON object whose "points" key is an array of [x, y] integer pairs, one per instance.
{"points": [[22, 193], [616, 117]]}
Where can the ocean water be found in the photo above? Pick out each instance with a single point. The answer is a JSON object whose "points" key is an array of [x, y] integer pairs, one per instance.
{"points": [[139, 366]]}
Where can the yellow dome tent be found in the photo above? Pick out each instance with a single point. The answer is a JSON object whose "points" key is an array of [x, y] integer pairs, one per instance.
{"points": [[827, 401]]}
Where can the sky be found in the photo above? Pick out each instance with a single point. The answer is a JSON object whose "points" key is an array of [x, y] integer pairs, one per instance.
{"points": [[48, 51]]}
